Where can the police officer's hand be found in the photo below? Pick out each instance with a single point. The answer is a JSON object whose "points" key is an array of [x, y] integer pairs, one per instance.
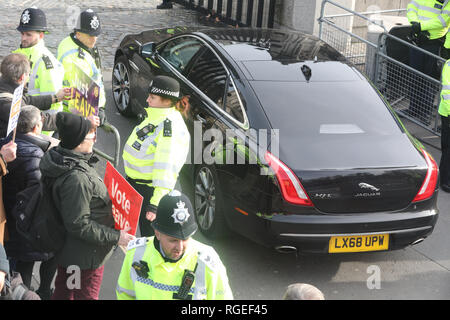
{"points": [[8, 151], [416, 28], [125, 237], [150, 216]]}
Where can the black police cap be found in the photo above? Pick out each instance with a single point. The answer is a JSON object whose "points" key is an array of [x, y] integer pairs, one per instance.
{"points": [[175, 216], [89, 23], [166, 87], [32, 19]]}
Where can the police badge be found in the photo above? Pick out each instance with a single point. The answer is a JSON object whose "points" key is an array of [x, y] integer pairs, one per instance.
{"points": [[26, 17], [181, 214], [95, 23]]}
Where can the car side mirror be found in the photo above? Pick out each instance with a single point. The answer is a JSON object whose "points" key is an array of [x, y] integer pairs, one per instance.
{"points": [[148, 50]]}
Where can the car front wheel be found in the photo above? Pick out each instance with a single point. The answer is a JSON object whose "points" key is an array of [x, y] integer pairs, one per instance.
{"points": [[121, 86]]}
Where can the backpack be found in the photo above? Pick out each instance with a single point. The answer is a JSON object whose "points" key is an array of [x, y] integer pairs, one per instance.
{"points": [[37, 218]]}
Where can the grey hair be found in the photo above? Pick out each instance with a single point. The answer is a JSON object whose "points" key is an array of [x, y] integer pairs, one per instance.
{"points": [[29, 117], [303, 291], [14, 66]]}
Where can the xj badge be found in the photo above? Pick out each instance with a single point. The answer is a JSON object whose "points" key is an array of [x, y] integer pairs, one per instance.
{"points": [[181, 214]]}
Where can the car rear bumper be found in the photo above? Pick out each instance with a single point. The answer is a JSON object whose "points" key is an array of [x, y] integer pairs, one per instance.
{"points": [[312, 233]]}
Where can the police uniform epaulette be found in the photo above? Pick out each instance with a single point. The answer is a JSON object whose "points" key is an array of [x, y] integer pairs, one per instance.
{"points": [[209, 258], [167, 128], [48, 62], [138, 242]]}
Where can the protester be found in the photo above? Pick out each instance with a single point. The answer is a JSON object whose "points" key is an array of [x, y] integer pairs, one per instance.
{"points": [[172, 265], [47, 72], [15, 70], [82, 199], [303, 291], [23, 173]]}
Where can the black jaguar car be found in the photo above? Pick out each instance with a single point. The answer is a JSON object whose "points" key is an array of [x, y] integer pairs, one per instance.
{"points": [[291, 145]]}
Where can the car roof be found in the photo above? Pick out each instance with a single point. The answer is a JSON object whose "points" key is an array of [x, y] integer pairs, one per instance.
{"points": [[250, 44]]}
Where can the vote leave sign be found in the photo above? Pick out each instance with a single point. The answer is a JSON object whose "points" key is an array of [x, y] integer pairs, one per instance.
{"points": [[126, 201]]}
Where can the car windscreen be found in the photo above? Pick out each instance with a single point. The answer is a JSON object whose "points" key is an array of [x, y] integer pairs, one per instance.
{"points": [[325, 108]]}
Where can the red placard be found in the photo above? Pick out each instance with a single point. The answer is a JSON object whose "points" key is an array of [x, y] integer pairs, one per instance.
{"points": [[126, 201]]}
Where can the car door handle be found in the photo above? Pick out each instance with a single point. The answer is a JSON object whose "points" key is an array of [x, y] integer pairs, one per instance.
{"points": [[134, 66], [200, 118]]}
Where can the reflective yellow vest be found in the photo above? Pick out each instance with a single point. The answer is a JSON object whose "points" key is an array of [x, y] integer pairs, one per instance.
{"points": [[157, 158], [433, 16], [444, 106], [164, 278], [46, 76], [69, 56]]}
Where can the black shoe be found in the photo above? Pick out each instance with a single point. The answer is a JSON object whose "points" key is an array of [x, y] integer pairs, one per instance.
{"points": [[163, 5], [445, 188]]}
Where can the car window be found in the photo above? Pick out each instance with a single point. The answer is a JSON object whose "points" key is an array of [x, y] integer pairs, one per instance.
{"points": [[233, 104], [179, 51], [209, 76]]}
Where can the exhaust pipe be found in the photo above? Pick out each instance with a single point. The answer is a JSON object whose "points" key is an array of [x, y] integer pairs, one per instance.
{"points": [[417, 241], [286, 249]]}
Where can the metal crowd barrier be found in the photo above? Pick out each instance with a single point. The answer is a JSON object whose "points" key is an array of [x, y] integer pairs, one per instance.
{"points": [[383, 56], [109, 128]]}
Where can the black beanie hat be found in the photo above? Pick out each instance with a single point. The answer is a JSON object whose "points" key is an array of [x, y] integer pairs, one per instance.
{"points": [[72, 129], [175, 216]]}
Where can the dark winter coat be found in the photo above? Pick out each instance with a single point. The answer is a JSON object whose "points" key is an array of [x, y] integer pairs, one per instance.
{"points": [[83, 201], [40, 102], [23, 173]]}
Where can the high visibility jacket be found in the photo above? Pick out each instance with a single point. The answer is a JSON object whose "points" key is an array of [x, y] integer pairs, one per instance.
{"points": [[157, 158], [164, 278], [432, 15], [46, 76], [444, 106], [72, 56]]}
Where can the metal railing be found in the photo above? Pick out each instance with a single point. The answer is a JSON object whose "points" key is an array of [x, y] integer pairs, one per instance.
{"points": [[383, 56], [244, 13]]}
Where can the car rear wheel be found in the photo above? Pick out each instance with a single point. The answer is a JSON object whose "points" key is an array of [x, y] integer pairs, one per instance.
{"points": [[121, 86], [208, 203]]}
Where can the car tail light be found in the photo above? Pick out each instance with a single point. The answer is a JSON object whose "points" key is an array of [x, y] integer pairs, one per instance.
{"points": [[429, 184], [291, 188]]}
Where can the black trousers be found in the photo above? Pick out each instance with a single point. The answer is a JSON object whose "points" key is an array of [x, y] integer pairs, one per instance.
{"points": [[444, 166], [421, 91], [146, 192]]}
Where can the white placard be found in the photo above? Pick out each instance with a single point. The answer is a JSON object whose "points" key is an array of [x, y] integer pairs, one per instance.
{"points": [[15, 109]]}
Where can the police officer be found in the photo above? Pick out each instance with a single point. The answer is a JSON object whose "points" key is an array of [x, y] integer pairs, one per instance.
{"points": [[79, 50], [429, 23], [46, 76], [157, 148], [444, 111], [172, 265]]}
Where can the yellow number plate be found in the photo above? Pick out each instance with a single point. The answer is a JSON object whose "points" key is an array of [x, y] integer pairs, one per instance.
{"points": [[373, 242]]}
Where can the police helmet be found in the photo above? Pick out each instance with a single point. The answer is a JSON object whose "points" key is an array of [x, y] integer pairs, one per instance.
{"points": [[175, 216], [89, 23], [33, 19], [166, 87]]}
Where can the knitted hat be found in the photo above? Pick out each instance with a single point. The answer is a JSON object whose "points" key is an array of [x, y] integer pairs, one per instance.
{"points": [[72, 129], [166, 87], [175, 216]]}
